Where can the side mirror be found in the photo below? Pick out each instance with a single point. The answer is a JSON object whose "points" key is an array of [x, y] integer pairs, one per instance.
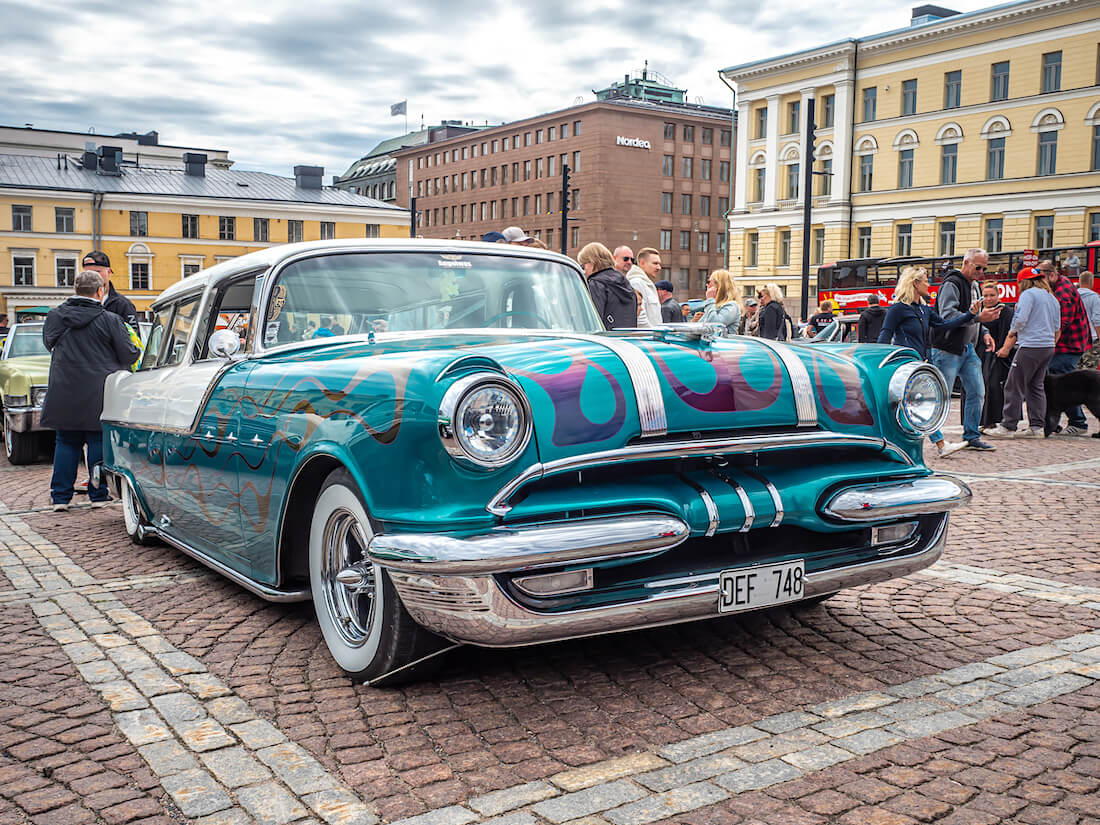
{"points": [[224, 343]]}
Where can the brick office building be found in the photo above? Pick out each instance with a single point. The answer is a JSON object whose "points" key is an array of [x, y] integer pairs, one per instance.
{"points": [[643, 173]]}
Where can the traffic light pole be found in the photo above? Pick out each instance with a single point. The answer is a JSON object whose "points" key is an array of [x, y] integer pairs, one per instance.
{"points": [[564, 208], [412, 217], [807, 201]]}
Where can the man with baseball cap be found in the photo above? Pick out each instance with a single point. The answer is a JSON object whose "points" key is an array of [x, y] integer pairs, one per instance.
{"points": [[115, 302], [515, 235]]}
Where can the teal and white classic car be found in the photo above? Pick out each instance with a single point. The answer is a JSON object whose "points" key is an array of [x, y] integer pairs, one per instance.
{"points": [[437, 442]]}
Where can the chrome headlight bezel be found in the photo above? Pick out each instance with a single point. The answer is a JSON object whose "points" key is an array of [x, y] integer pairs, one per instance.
{"points": [[38, 395], [451, 405], [900, 382]]}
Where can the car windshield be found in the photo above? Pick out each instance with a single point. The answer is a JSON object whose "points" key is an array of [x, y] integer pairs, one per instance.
{"points": [[355, 293], [26, 340]]}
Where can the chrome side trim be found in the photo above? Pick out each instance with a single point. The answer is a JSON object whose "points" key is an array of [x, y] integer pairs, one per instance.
{"points": [[875, 502], [498, 504], [486, 616], [805, 404], [742, 494], [507, 549], [773, 491], [264, 591]]}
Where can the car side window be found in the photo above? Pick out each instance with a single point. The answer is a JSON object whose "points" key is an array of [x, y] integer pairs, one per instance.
{"points": [[179, 332], [155, 338], [231, 309]]}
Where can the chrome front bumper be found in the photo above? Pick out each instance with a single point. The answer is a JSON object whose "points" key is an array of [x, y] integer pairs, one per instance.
{"points": [[475, 610], [23, 419]]}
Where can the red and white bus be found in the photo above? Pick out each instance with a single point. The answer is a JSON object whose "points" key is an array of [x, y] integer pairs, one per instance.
{"points": [[850, 283]]}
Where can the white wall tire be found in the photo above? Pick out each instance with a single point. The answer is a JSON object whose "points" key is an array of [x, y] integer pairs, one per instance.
{"points": [[366, 628], [132, 517]]}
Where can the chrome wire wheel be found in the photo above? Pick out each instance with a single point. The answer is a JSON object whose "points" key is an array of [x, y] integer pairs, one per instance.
{"points": [[348, 577]]}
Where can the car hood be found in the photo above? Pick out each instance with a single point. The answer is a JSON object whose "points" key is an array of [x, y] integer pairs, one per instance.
{"points": [[591, 393], [18, 375]]}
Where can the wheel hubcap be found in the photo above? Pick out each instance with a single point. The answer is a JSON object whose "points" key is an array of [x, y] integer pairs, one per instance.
{"points": [[349, 577]]}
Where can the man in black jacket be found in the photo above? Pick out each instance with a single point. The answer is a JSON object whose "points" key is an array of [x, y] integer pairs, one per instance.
{"points": [[870, 320], [88, 343], [115, 302]]}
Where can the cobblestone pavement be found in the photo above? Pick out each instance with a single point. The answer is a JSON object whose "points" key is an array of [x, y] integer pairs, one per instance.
{"points": [[138, 687]]}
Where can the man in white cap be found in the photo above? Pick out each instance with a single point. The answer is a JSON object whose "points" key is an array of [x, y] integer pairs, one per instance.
{"points": [[515, 235]]}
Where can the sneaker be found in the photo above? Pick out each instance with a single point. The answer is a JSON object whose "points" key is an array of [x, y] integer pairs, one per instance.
{"points": [[999, 432], [60, 507], [80, 486], [978, 444], [1072, 430], [98, 504], [950, 448], [1029, 433]]}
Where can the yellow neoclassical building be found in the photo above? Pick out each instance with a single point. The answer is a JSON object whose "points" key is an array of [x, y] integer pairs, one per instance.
{"points": [[961, 130], [158, 224]]}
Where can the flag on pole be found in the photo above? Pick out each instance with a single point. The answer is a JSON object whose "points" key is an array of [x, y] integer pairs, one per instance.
{"points": [[401, 108]]}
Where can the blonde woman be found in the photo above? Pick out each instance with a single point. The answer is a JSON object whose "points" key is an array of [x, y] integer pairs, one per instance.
{"points": [[610, 290], [773, 321], [1036, 326], [721, 306], [909, 322]]}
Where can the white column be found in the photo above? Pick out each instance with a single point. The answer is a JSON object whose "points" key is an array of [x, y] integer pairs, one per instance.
{"points": [[771, 146], [741, 178], [842, 139]]}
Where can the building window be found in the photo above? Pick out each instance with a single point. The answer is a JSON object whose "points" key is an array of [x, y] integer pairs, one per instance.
{"points": [[785, 247], [666, 239], [724, 171], [328, 230], [685, 204], [227, 228], [725, 137], [758, 180], [189, 268], [1044, 232], [826, 187], [819, 246], [21, 218], [952, 89], [1094, 227], [689, 134], [685, 274], [905, 169], [576, 155], [1048, 153], [754, 249], [64, 219], [704, 206], [723, 206], [686, 167], [994, 234], [870, 103], [947, 238], [794, 174], [139, 224], [707, 136], [794, 110], [685, 240], [995, 159], [704, 242], [666, 166], [828, 106], [863, 247], [904, 242], [704, 168], [527, 170], [576, 128], [999, 84], [1096, 148], [949, 163], [574, 235], [575, 199], [65, 269], [1052, 72], [909, 97], [762, 122], [261, 228], [190, 228], [670, 131], [22, 270], [139, 274], [666, 203], [866, 172], [294, 231]]}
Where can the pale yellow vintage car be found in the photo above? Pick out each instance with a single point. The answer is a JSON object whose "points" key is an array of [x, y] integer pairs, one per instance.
{"points": [[24, 373]]}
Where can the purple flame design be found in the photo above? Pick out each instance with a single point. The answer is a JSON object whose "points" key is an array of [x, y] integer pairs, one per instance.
{"points": [[854, 410], [571, 425], [731, 392]]}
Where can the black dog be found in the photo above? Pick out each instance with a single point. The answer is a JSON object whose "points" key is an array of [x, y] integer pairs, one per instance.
{"points": [[1068, 390]]}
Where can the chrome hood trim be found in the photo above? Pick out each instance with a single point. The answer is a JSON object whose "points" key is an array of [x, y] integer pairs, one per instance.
{"points": [[805, 404]]}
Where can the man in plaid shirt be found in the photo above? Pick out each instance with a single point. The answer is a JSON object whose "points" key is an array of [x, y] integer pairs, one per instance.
{"points": [[1075, 338]]}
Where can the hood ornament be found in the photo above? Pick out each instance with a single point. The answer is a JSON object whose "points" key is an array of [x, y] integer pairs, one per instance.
{"points": [[706, 332]]}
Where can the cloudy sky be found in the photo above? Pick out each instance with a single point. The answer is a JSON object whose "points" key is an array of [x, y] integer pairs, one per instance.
{"points": [[283, 82]]}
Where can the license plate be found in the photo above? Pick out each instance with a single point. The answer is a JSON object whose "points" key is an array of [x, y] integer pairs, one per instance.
{"points": [[764, 585]]}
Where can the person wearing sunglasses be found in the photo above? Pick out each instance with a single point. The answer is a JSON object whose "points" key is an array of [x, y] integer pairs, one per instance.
{"points": [[953, 347], [649, 305]]}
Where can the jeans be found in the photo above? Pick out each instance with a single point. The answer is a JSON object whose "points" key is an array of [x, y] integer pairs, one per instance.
{"points": [[969, 370], [66, 459], [1067, 362]]}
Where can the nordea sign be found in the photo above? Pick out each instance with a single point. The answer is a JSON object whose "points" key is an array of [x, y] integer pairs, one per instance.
{"points": [[638, 143]]}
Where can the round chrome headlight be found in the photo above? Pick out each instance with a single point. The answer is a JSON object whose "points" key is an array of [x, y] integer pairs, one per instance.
{"points": [[920, 398], [484, 420]]}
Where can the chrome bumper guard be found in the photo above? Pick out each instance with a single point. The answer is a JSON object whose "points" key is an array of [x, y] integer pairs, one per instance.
{"points": [[475, 610], [23, 419], [876, 502], [508, 549]]}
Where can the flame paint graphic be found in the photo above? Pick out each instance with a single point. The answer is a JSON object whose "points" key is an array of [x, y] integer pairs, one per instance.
{"points": [[571, 425], [731, 392]]}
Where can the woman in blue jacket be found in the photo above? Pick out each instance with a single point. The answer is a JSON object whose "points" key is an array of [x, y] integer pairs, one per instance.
{"points": [[909, 323]]}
